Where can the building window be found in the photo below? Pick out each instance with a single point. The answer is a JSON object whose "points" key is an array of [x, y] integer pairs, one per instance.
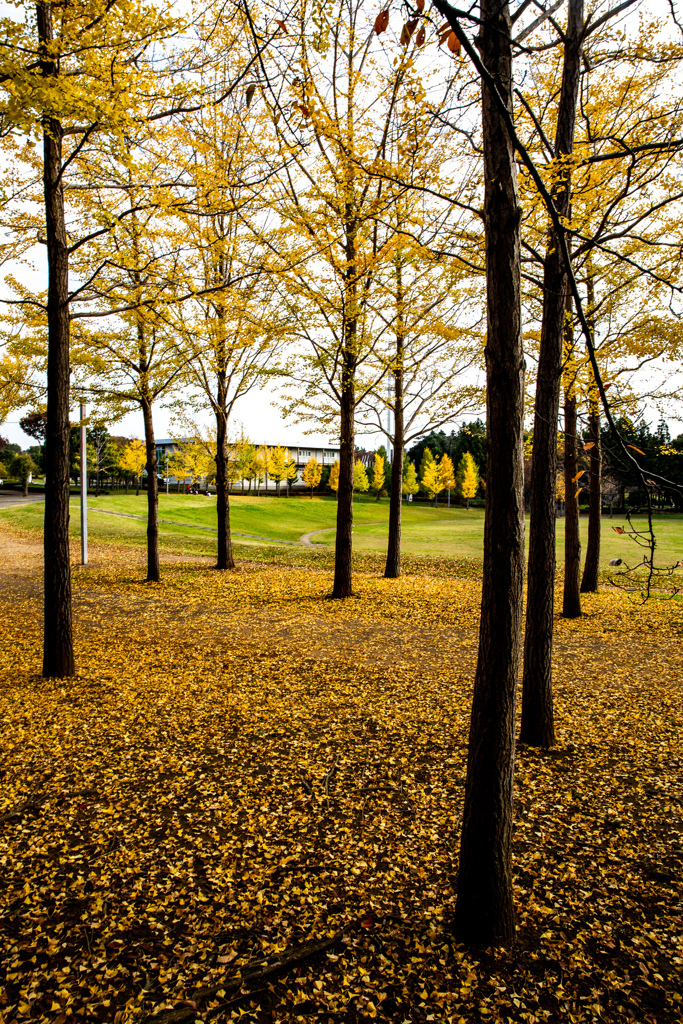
{"points": [[304, 454]]}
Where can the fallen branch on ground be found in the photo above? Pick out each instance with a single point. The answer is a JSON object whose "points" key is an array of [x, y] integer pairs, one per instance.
{"points": [[250, 975]]}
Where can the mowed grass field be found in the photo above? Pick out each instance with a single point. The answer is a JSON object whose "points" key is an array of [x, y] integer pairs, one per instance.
{"points": [[427, 531]]}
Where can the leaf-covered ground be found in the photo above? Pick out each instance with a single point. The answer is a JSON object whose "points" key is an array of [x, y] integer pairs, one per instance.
{"points": [[242, 765]]}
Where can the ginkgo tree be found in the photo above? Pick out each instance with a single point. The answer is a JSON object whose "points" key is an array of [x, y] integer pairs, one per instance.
{"points": [[333, 115], [69, 74], [378, 474], [80, 77], [280, 465], [467, 478], [618, 221], [312, 473], [232, 329], [133, 459]]}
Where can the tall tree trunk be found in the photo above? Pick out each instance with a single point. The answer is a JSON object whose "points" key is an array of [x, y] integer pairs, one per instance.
{"points": [[225, 558], [538, 725], [137, 486], [58, 652], [343, 548], [153, 572], [589, 582], [484, 912], [571, 604], [392, 569]]}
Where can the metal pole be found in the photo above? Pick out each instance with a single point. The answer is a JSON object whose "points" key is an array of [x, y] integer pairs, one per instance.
{"points": [[390, 388], [84, 491]]}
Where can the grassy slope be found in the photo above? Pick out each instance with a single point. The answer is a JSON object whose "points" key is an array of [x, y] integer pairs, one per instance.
{"points": [[426, 531]]}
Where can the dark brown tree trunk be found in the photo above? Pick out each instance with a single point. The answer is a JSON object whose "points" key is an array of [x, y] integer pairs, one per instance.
{"points": [[343, 548], [153, 571], [484, 913], [343, 543], [225, 558], [589, 582], [58, 652], [538, 725], [127, 484], [137, 486], [392, 569], [571, 604]]}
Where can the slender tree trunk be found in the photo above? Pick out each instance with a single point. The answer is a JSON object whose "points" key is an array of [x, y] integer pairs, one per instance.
{"points": [[571, 604], [392, 569], [137, 486], [225, 558], [343, 542], [127, 484], [343, 550], [538, 726], [58, 653], [153, 572], [484, 912], [589, 582]]}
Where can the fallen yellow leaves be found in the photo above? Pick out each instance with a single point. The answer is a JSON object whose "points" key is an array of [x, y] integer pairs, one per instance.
{"points": [[243, 766]]}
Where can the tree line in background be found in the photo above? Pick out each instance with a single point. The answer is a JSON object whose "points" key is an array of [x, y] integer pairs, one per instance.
{"points": [[360, 205]]}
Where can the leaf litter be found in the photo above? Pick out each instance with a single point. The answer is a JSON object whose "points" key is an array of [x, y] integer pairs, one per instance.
{"points": [[242, 767]]}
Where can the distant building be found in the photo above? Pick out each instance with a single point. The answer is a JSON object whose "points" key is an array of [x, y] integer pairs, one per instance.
{"points": [[300, 453]]}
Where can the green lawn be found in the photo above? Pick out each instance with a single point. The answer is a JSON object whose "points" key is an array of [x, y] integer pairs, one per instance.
{"points": [[426, 530]]}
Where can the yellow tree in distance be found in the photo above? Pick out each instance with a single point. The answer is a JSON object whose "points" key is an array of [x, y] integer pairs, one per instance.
{"points": [[278, 460], [192, 459], [334, 476], [447, 474], [411, 485], [378, 474], [291, 471], [313, 471], [432, 483], [467, 478], [259, 466], [360, 478], [133, 459]]}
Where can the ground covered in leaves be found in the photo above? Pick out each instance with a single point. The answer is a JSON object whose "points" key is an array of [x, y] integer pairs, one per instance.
{"points": [[243, 766]]}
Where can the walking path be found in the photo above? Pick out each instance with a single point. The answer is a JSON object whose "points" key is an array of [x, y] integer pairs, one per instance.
{"points": [[305, 538], [13, 499], [191, 526]]}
